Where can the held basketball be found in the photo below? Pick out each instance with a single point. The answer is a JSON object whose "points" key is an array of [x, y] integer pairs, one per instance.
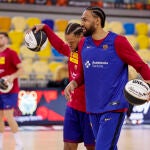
{"points": [[35, 41], [136, 92], [5, 86]]}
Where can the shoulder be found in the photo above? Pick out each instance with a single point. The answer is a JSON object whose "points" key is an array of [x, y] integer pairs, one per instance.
{"points": [[120, 39]]}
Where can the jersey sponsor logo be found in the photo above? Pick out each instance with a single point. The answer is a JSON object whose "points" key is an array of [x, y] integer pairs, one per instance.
{"points": [[74, 57], [2, 60], [73, 60], [105, 47], [87, 64], [73, 75], [95, 64]]}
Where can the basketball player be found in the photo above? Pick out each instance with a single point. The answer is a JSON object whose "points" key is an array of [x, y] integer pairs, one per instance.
{"points": [[103, 67], [10, 69], [77, 127]]}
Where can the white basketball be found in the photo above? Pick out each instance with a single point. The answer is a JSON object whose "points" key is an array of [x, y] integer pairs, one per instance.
{"points": [[8, 89], [35, 41], [136, 91]]}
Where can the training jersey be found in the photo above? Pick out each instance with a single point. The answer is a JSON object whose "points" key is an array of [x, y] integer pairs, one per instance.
{"points": [[8, 65], [105, 71], [78, 97]]}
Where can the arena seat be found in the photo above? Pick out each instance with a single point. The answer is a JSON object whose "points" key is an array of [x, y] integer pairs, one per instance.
{"points": [[45, 53], [15, 47], [132, 73], [28, 69], [143, 41], [31, 21], [132, 40], [5, 23], [116, 26], [145, 54], [55, 53], [53, 65], [106, 27], [129, 28], [141, 28], [74, 21], [41, 69], [19, 23], [16, 37], [60, 35], [26, 53], [61, 72], [61, 24], [49, 22]]}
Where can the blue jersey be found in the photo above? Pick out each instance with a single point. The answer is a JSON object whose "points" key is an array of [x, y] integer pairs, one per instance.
{"points": [[105, 76]]}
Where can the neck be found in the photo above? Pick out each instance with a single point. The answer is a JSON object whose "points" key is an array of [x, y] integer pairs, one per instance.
{"points": [[99, 34], [2, 48]]}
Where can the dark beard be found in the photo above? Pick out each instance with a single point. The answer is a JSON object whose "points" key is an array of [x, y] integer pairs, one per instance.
{"points": [[89, 32]]}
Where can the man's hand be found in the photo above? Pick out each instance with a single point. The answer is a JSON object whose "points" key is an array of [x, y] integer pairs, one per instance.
{"points": [[36, 28], [70, 89]]}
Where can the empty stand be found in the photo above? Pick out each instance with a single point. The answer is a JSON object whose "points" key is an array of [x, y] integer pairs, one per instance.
{"points": [[141, 28], [61, 24], [19, 23], [28, 69], [129, 28], [116, 26], [41, 69], [5, 23], [74, 21], [132, 40], [132, 73], [53, 66], [16, 37], [143, 41], [31, 21], [45, 53], [49, 22], [15, 47], [26, 53], [145, 54]]}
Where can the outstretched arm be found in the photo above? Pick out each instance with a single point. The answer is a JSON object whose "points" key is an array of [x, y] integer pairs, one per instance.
{"points": [[55, 41]]}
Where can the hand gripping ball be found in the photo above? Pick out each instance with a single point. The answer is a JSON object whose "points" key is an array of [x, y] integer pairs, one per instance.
{"points": [[136, 92], [35, 41]]}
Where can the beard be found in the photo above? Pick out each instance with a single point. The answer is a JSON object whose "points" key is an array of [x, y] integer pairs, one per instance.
{"points": [[89, 31]]}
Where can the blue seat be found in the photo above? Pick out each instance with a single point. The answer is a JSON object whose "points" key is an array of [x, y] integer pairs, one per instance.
{"points": [[49, 22], [57, 55], [129, 28]]}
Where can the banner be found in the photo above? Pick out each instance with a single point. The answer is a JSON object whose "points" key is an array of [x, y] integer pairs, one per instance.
{"points": [[47, 107], [40, 107]]}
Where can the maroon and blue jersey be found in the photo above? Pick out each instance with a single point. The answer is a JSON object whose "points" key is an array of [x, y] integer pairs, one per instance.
{"points": [[104, 67], [78, 97], [8, 65]]}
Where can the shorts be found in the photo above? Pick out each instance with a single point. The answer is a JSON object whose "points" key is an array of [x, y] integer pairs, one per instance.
{"points": [[106, 128], [8, 101], [77, 127]]}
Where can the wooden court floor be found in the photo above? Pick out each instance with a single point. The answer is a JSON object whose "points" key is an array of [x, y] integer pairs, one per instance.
{"points": [[36, 138]]}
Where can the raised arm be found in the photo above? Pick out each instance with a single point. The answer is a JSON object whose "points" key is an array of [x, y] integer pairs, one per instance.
{"points": [[55, 41]]}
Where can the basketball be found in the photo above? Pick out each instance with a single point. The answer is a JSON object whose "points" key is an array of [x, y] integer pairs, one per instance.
{"points": [[136, 91], [5, 86], [35, 41]]}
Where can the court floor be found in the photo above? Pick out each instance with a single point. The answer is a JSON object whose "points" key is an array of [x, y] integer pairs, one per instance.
{"points": [[50, 138]]}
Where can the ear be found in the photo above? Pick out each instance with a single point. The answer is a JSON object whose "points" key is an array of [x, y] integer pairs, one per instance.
{"points": [[98, 21]]}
